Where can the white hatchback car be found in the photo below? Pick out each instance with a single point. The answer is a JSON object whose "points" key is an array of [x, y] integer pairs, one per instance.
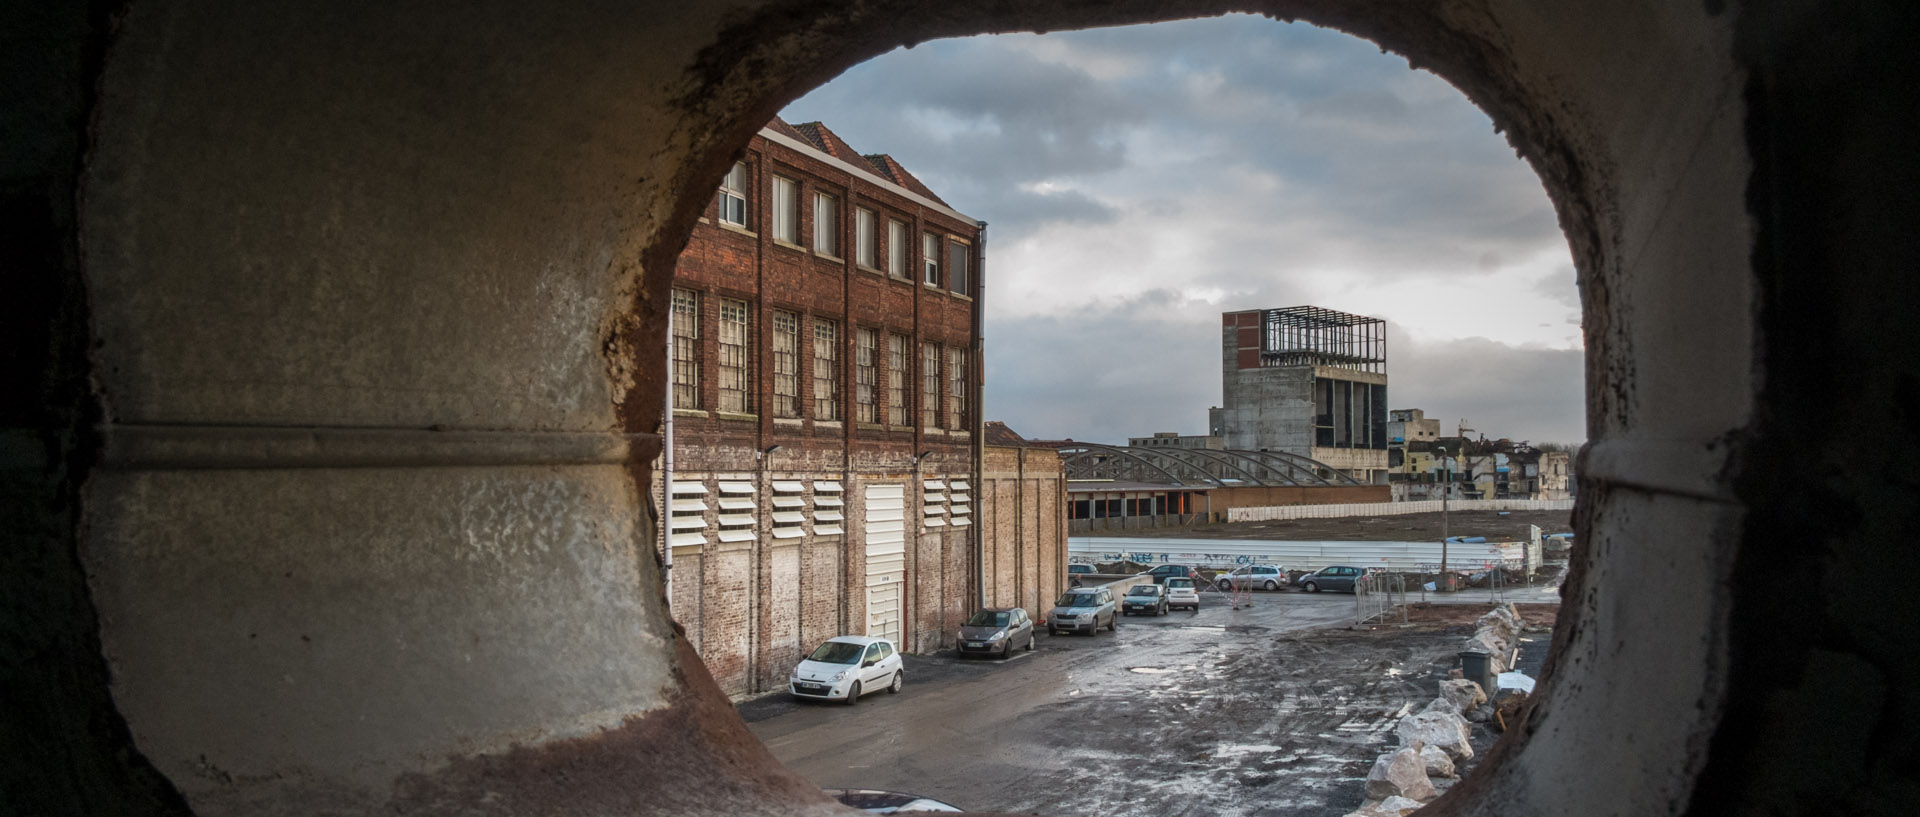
{"points": [[844, 668]]}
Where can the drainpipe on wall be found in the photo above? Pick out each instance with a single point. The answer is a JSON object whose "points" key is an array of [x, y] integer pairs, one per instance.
{"points": [[666, 470], [979, 412]]}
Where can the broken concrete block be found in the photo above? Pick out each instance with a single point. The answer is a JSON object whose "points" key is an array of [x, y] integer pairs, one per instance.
{"points": [[1463, 694], [1400, 773], [1390, 807], [1445, 730], [1435, 761]]}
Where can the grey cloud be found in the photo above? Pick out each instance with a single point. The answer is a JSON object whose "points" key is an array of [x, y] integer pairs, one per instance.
{"points": [[1275, 147], [1024, 213], [1501, 390]]}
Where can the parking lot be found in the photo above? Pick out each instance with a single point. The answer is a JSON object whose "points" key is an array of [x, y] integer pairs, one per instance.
{"points": [[1277, 708]]}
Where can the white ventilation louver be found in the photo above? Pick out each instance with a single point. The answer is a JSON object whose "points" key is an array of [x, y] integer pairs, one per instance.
{"points": [[960, 503]]}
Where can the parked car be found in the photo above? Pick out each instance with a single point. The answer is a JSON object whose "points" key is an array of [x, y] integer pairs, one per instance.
{"points": [[1162, 573], [1182, 593], [1146, 599], [887, 802], [846, 667], [996, 631], [1265, 577], [1079, 570], [1332, 577], [1083, 609]]}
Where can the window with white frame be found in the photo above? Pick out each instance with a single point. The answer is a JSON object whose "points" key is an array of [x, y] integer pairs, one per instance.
{"points": [[897, 248], [733, 196], [735, 354], [959, 503], [933, 503], [789, 509], [957, 266], [737, 513], [897, 380], [865, 376], [786, 364], [929, 385], [826, 225], [956, 388], [786, 210], [686, 349], [930, 259], [865, 238], [826, 370], [687, 514], [827, 508]]}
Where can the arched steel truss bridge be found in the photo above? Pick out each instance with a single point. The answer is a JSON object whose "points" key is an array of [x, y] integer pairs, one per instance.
{"points": [[1197, 467]]}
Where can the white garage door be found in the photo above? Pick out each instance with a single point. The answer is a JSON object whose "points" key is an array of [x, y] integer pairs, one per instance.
{"points": [[886, 532]]}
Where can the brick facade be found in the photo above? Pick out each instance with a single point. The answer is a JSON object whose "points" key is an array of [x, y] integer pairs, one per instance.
{"points": [[751, 597]]}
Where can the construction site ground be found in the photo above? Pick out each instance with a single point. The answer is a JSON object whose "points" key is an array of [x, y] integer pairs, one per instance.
{"points": [[1279, 707], [1403, 527]]}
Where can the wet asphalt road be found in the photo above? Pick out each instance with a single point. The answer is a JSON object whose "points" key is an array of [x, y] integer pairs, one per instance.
{"points": [[1217, 712]]}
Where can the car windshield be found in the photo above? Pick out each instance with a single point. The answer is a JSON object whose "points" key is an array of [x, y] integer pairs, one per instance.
{"points": [[1144, 590], [1179, 583], [1078, 600], [989, 618], [837, 652]]}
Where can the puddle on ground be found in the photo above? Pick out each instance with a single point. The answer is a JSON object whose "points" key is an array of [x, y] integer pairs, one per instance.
{"points": [[1151, 670]]}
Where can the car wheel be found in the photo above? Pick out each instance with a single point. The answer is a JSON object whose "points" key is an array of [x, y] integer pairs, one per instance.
{"points": [[1310, 587], [1271, 585], [1029, 642], [898, 681], [1113, 624], [1126, 612], [853, 694], [1224, 586]]}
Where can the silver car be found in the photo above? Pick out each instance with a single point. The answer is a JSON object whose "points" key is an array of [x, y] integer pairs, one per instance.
{"points": [[1264, 577], [1083, 610]]}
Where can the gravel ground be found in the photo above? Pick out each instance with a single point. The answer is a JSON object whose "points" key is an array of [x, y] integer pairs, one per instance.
{"points": [[1273, 710]]}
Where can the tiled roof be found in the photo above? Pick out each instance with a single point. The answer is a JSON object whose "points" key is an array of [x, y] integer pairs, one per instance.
{"points": [[892, 170], [779, 125], [999, 434], [828, 142]]}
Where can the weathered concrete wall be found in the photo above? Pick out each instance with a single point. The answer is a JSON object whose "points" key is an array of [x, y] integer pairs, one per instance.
{"points": [[370, 254]]}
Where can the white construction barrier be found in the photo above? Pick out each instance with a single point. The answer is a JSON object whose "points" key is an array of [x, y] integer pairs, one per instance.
{"points": [[1267, 513]]}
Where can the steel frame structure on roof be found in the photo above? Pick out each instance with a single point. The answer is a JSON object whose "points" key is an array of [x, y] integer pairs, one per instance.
{"points": [[1197, 467], [1313, 336]]}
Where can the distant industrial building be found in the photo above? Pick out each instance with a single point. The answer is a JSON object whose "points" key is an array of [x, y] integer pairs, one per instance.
{"points": [[1306, 381], [1173, 439]]}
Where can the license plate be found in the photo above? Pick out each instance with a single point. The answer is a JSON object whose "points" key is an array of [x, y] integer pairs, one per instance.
{"points": [[812, 687], [976, 644]]}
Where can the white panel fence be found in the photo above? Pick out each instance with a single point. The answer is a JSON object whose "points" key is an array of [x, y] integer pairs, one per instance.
{"points": [[1272, 512]]}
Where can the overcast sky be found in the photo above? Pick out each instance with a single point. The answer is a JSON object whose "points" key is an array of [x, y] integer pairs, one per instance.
{"points": [[1140, 181]]}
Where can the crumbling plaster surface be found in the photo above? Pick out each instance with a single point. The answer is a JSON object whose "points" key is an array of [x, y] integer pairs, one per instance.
{"points": [[368, 216]]}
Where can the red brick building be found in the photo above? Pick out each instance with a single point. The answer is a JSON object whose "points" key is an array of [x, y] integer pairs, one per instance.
{"points": [[826, 446]]}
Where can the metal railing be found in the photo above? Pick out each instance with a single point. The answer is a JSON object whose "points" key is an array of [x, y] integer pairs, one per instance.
{"points": [[1377, 597]]}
